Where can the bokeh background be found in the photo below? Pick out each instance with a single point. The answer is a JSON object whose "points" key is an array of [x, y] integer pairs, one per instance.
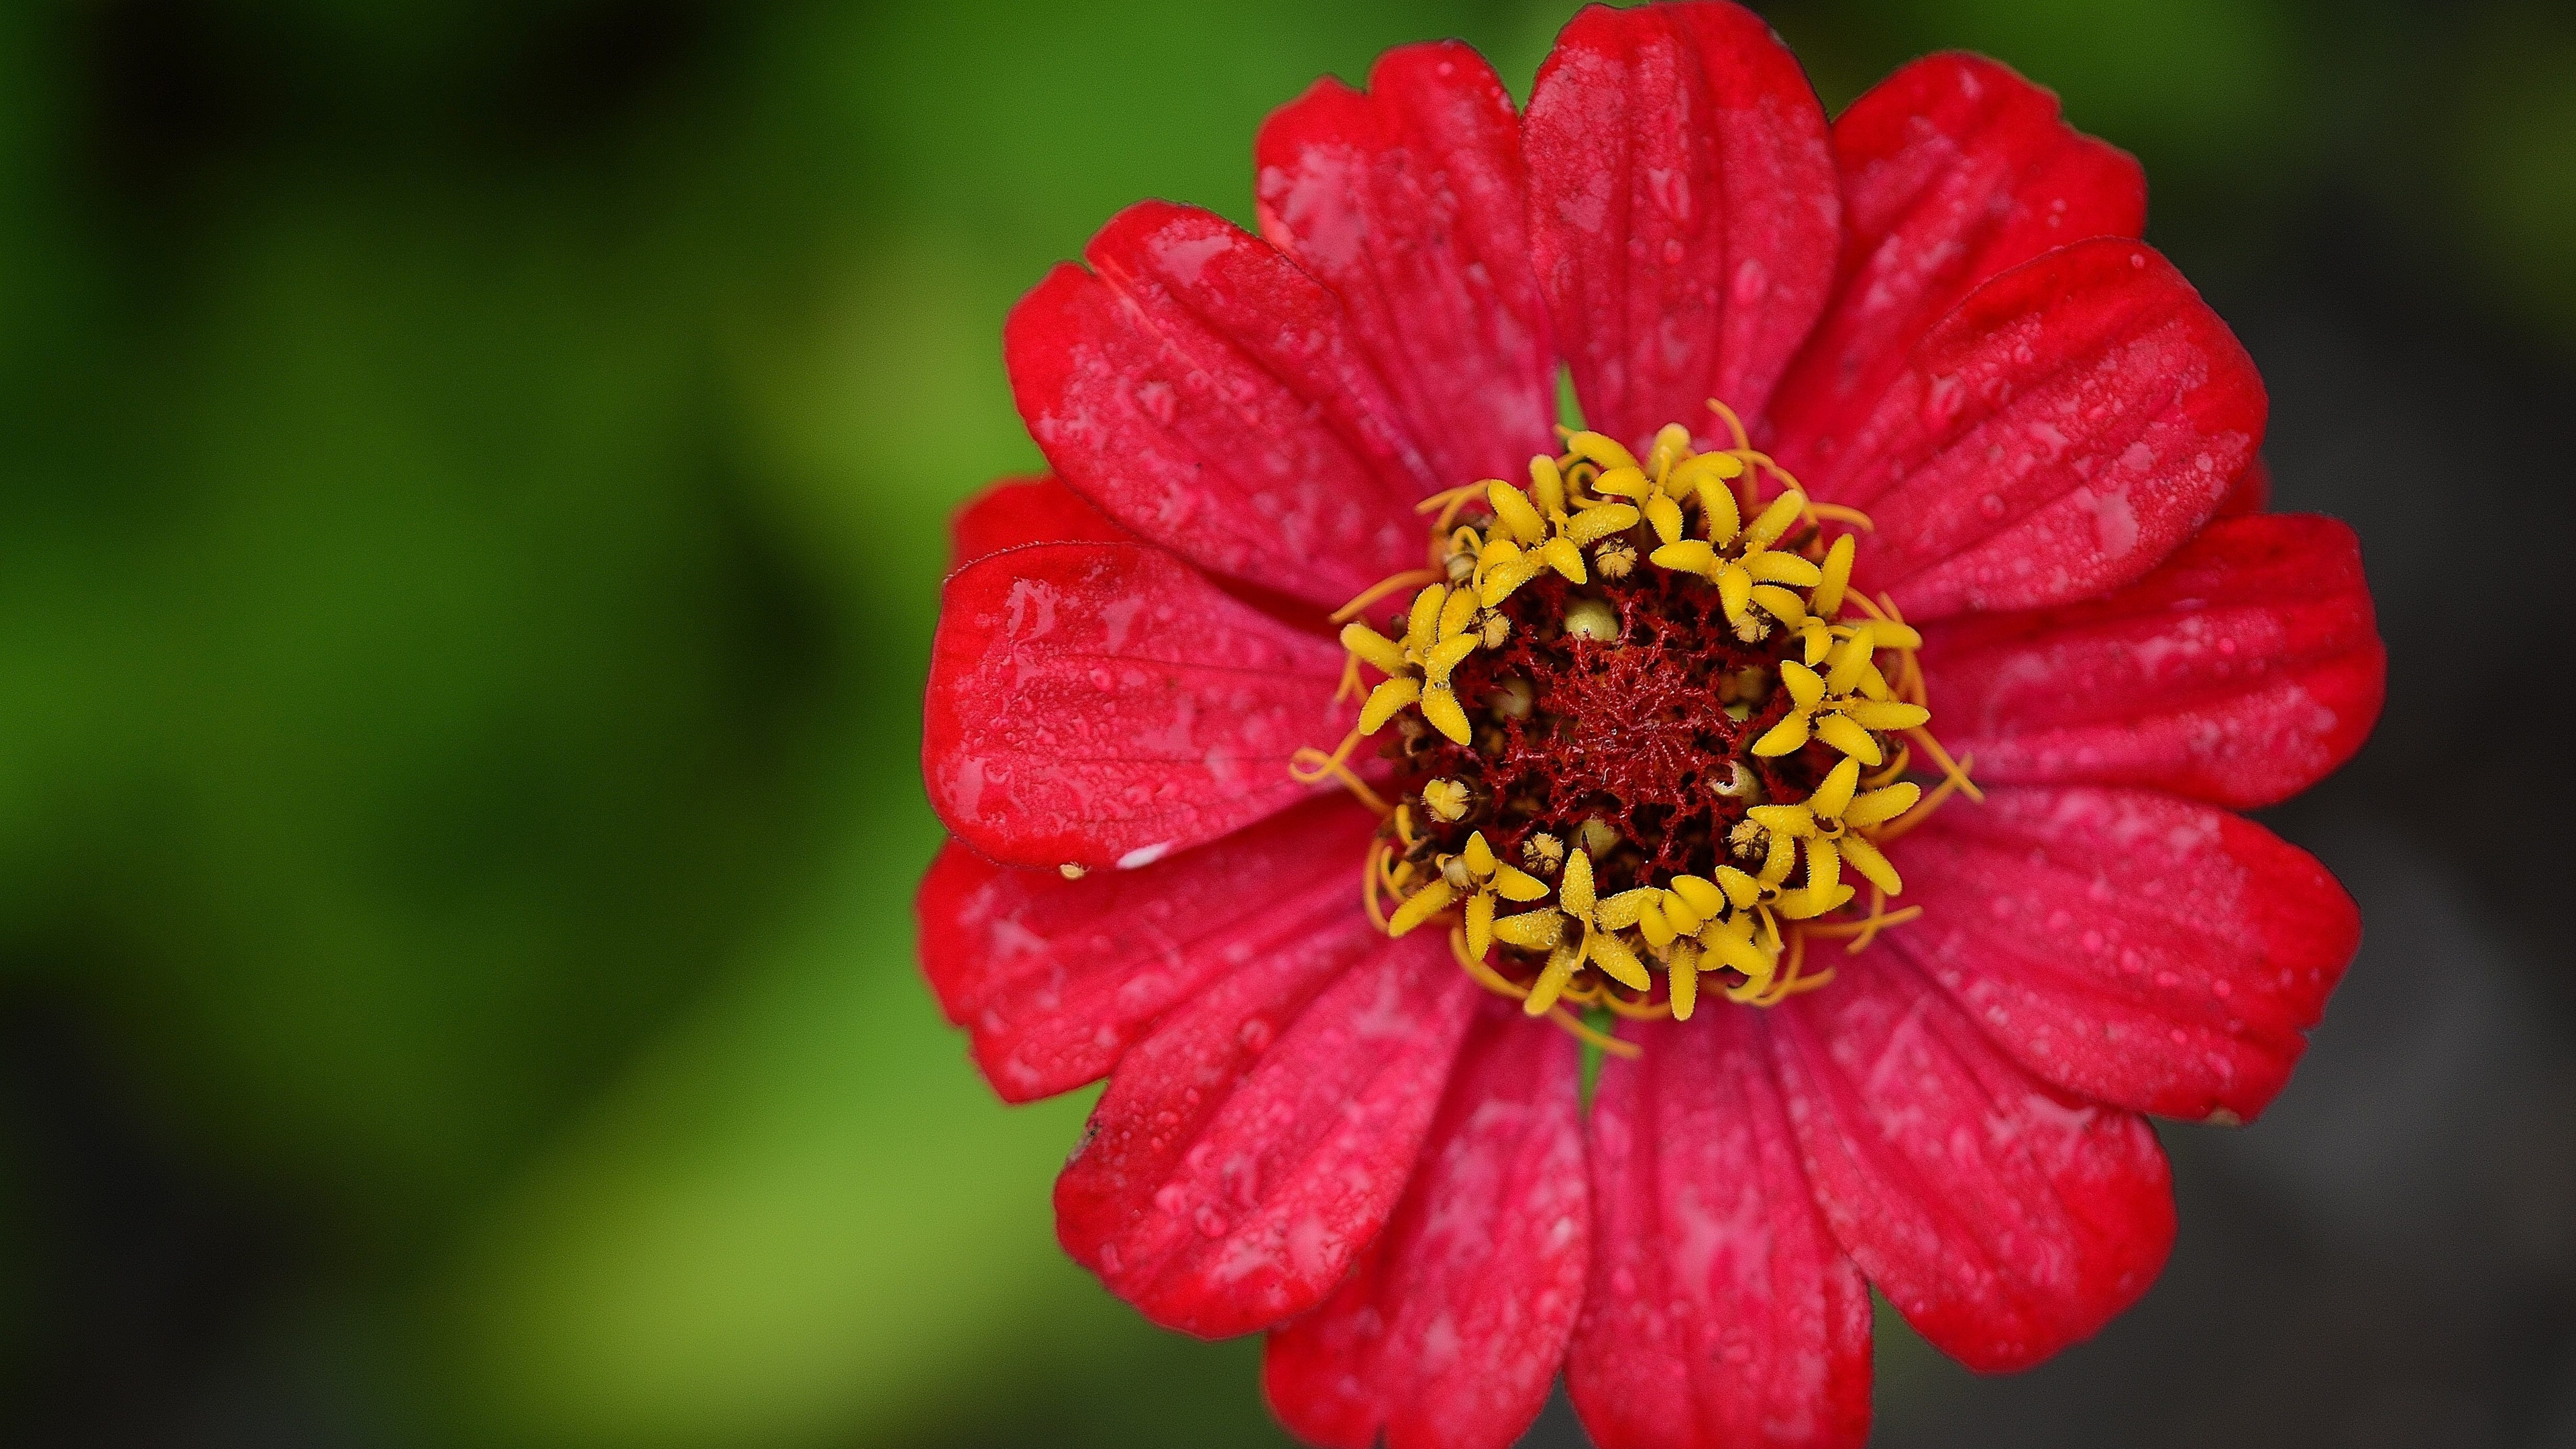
{"points": [[472, 480]]}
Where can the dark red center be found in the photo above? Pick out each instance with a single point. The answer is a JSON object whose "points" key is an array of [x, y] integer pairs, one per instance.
{"points": [[1635, 731]]}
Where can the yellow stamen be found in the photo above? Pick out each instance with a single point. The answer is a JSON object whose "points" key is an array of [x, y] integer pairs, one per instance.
{"points": [[1954, 773], [1387, 701], [1393, 583], [1734, 424], [1600, 449], [1442, 501], [1483, 975], [1895, 768], [1350, 690], [1370, 871], [1584, 1031], [1309, 766], [1445, 799], [1562, 963], [1950, 784], [1585, 993], [1637, 1010]]}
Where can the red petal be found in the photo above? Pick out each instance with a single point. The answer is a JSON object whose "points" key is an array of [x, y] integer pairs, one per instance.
{"points": [[2002, 1218], [1056, 977], [1684, 210], [1720, 1314], [1450, 1331], [2054, 437], [1015, 511], [1954, 170], [1210, 396], [1101, 704], [1248, 1150], [2129, 947], [1411, 203], [2241, 671], [2250, 493]]}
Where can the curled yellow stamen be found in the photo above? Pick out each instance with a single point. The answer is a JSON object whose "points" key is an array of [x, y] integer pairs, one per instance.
{"points": [[1476, 968], [1448, 502], [1393, 583], [1439, 502], [1485, 976], [1954, 774], [1310, 766], [1371, 868], [1950, 784], [1637, 1010], [1584, 1031], [1865, 930]]}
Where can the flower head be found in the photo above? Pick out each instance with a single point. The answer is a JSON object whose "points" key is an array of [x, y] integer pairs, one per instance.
{"points": [[1840, 732]]}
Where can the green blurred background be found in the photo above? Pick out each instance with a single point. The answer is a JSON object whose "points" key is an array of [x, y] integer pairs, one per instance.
{"points": [[470, 520]]}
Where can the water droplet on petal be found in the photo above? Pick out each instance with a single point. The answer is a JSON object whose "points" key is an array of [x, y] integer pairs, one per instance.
{"points": [[1752, 282]]}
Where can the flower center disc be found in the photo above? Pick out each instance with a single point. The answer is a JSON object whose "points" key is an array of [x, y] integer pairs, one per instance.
{"points": [[1627, 709], [1627, 699]]}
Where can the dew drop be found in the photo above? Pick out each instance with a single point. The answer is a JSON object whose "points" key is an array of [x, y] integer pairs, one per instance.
{"points": [[1752, 282]]}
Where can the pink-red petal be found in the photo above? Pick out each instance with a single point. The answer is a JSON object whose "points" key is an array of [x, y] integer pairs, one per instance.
{"points": [[1449, 1332], [1210, 396], [1411, 203], [1055, 978], [1720, 1313], [1250, 1149], [2129, 947], [2250, 493], [1015, 511], [2003, 1218], [1102, 704], [1954, 170], [2054, 437], [2243, 670], [1683, 210]]}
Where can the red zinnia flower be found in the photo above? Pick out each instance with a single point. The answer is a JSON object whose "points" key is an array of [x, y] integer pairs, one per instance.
{"points": [[1895, 427]]}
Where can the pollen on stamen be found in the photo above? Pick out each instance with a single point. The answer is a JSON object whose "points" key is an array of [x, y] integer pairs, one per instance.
{"points": [[1635, 726]]}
